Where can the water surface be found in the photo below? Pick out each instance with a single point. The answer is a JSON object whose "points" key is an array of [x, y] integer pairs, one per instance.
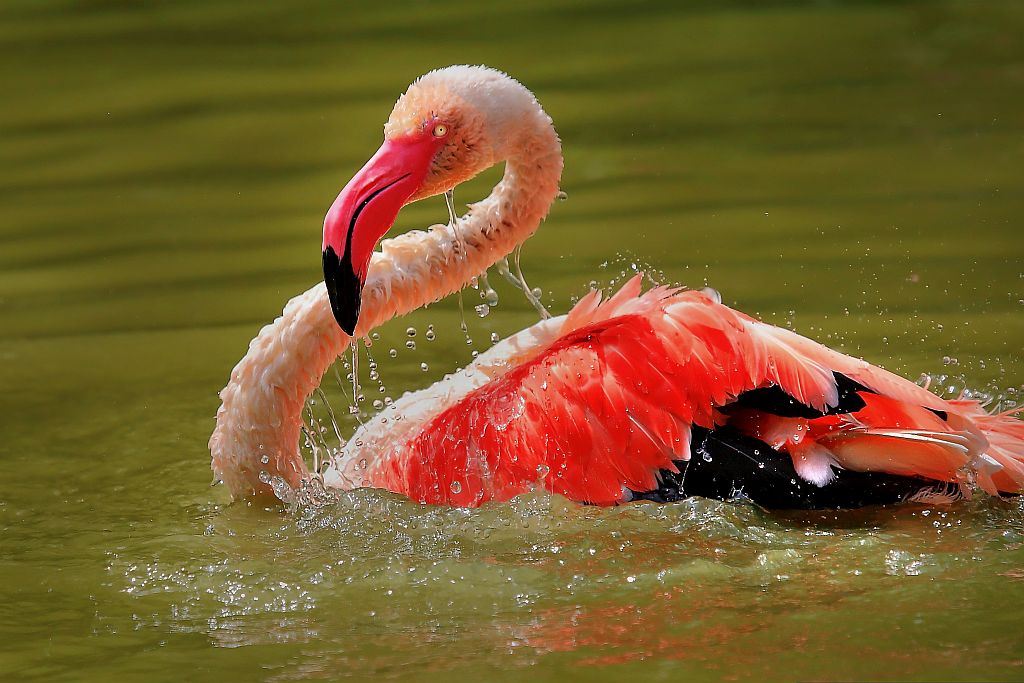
{"points": [[850, 169]]}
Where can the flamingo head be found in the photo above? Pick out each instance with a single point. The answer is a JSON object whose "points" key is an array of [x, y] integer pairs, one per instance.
{"points": [[450, 125]]}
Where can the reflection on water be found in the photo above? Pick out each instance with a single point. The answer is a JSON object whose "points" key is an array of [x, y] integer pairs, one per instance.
{"points": [[850, 169], [539, 576]]}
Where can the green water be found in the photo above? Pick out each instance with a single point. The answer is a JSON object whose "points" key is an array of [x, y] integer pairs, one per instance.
{"points": [[852, 169]]}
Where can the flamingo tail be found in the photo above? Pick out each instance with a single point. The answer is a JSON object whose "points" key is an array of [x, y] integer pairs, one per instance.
{"points": [[962, 445], [1000, 468]]}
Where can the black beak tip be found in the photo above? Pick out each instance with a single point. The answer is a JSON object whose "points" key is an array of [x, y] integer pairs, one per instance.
{"points": [[344, 288]]}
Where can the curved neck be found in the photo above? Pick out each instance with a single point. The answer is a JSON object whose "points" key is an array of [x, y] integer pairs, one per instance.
{"points": [[421, 267], [260, 418]]}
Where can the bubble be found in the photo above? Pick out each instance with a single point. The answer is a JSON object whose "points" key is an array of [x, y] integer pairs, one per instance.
{"points": [[456, 487], [482, 310], [411, 332]]}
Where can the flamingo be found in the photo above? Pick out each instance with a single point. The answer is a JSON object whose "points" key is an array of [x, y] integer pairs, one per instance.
{"points": [[643, 395]]}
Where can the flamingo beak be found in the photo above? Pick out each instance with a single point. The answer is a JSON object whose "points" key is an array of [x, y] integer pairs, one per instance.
{"points": [[365, 210]]}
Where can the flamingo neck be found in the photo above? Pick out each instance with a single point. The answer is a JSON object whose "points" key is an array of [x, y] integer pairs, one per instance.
{"points": [[256, 440]]}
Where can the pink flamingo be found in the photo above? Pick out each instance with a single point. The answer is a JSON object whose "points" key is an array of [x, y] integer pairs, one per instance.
{"points": [[656, 395]]}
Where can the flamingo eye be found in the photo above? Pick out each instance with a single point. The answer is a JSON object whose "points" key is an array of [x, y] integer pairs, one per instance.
{"points": [[440, 130]]}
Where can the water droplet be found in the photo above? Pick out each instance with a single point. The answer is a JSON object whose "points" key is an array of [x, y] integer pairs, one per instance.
{"points": [[424, 367], [475, 354], [411, 332], [410, 344], [393, 353], [361, 398], [265, 459], [429, 335], [495, 338], [362, 461], [469, 341], [353, 410], [456, 487], [491, 297], [542, 470], [264, 477], [482, 310], [537, 292], [374, 375], [713, 293], [378, 404], [375, 336], [561, 196]]}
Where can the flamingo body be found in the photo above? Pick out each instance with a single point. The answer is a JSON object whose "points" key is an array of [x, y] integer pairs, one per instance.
{"points": [[607, 413]]}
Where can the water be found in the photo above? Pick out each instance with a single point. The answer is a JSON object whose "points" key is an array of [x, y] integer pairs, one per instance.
{"points": [[850, 169]]}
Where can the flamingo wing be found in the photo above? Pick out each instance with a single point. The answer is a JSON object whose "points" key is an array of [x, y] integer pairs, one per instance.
{"points": [[613, 409]]}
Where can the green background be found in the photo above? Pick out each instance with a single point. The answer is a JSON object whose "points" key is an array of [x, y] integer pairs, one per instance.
{"points": [[850, 169]]}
